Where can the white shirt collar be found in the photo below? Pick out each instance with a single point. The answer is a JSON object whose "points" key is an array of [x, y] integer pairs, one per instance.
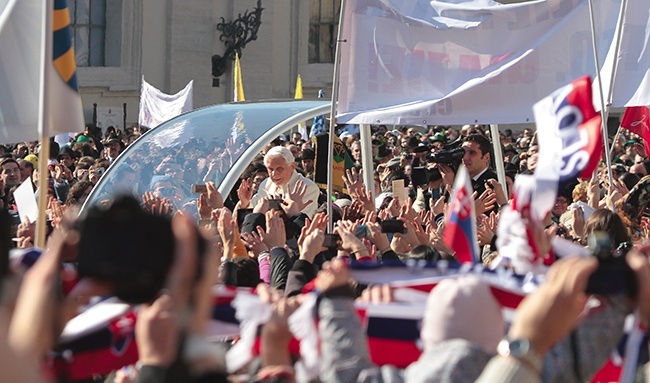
{"points": [[480, 174]]}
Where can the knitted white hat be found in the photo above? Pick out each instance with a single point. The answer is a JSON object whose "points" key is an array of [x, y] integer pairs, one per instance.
{"points": [[463, 308]]}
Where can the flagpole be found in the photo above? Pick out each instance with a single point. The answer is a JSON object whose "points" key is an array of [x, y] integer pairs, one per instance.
{"points": [[366, 159], [498, 158], [603, 113], [43, 125], [617, 49], [332, 131]]}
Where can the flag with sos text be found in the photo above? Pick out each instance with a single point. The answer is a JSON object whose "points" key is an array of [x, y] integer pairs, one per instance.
{"points": [[570, 142], [460, 227]]}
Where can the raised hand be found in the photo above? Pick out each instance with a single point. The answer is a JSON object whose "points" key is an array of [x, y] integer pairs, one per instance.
{"points": [[406, 241], [593, 193], [407, 213], [448, 175], [245, 193], [276, 334], [438, 206], [438, 243], [214, 197], [294, 200], [39, 314], [312, 245], [353, 212], [254, 243], [346, 230], [157, 331], [393, 207], [26, 229], [156, 205], [318, 223], [363, 197], [227, 228], [550, 313], [275, 234], [376, 236], [497, 188], [485, 234], [485, 202], [203, 207], [57, 212], [353, 182]]}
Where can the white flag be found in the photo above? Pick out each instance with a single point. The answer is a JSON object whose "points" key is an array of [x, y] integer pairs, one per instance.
{"points": [[157, 107], [21, 73], [632, 80], [425, 62]]}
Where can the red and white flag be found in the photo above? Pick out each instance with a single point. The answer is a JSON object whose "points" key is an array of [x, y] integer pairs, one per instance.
{"points": [[636, 120]]}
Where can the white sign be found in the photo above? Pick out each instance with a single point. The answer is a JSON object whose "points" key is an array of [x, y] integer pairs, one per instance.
{"points": [[110, 116], [26, 201]]}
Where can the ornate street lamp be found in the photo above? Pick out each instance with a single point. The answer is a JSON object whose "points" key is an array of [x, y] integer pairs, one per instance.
{"points": [[235, 35]]}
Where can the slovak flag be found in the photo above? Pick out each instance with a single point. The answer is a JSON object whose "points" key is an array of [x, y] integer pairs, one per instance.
{"points": [[570, 142], [460, 233], [635, 119]]}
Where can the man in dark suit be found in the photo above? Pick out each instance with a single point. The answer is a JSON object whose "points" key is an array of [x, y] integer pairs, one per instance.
{"points": [[476, 160]]}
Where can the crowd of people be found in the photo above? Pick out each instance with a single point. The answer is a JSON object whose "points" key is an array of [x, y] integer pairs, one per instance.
{"points": [[270, 234]]}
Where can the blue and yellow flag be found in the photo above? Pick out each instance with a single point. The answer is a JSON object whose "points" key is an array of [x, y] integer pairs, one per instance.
{"points": [[62, 49], [65, 113], [23, 79]]}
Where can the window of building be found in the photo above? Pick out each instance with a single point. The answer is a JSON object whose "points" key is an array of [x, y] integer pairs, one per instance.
{"points": [[323, 29], [96, 32]]}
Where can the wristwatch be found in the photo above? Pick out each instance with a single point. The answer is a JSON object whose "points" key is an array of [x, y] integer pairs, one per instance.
{"points": [[522, 350]]}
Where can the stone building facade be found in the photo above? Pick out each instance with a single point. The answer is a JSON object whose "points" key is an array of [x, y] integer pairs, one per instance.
{"points": [[171, 42]]}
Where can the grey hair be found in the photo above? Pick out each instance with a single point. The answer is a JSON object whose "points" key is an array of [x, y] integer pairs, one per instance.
{"points": [[280, 151]]}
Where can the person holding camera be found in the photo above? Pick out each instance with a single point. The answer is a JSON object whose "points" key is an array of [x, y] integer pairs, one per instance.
{"points": [[477, 161]]}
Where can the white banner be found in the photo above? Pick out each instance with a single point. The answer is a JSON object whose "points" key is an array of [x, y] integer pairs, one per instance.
{"points": [[110, 116], [427, 62], [632, 80], [157, 107]]}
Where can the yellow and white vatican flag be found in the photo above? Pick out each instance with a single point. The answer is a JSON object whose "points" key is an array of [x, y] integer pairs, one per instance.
{"points": [[238, 84], [302, 127], [37, 71]]}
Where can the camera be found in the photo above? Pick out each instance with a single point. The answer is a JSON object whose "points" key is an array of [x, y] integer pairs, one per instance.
{"points": [[332, 240], [199, 189], [392, 226], [613, 275], [126, 246], [447, 157], [275, 204]]}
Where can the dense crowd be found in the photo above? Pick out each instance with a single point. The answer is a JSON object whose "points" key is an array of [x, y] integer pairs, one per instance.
{"points": [[270, 234]]}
